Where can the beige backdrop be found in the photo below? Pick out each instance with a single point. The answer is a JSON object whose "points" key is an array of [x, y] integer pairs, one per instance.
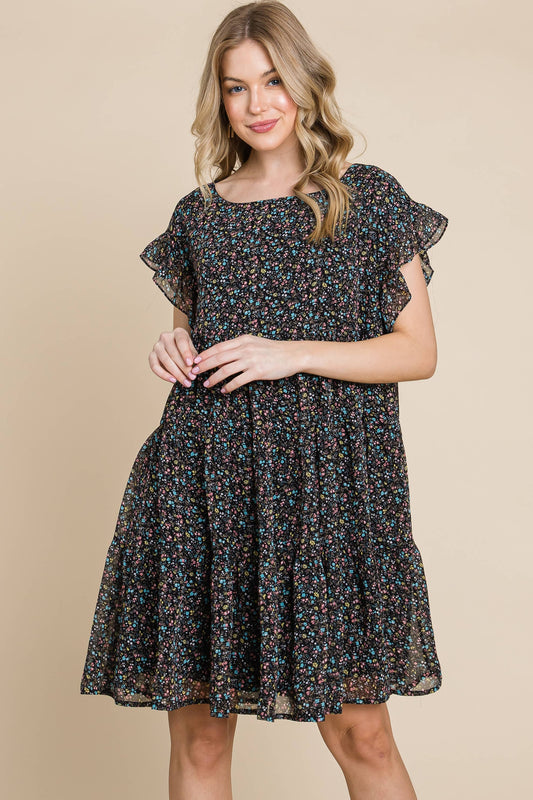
{"points": [[98, 102]]}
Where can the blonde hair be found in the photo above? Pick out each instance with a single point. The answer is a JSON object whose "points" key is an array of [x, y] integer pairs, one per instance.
{"points": [[308, 78]]}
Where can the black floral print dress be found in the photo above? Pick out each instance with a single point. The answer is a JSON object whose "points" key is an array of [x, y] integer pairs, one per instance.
{"points": [[263, 559]]}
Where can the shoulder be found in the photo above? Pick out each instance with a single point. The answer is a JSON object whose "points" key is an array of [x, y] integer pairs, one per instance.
{"points": [[372, 177], [374, 191], [189, 201], [188, 210], [379, 191]]}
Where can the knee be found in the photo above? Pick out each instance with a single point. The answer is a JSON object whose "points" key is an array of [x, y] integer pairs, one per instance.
{"points": [[206, 747], [197, 738], [370, 743]]}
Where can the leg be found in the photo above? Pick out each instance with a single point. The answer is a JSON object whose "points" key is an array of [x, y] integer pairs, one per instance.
{"points": [[363, 745], [201, 747]]}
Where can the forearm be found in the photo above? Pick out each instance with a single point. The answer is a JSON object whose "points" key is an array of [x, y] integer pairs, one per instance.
{"points": [[390, 358], [180, 320]]}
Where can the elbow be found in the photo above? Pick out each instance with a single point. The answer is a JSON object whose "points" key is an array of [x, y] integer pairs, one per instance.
{"points": [[427, 364], [420, 350], [422, 360]]}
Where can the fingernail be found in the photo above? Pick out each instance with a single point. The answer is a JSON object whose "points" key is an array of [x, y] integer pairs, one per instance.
{"points": [[187, 383], [224, 390], [206, 383], [198, 358], [189, 361], [195, 369], [191, 376]]}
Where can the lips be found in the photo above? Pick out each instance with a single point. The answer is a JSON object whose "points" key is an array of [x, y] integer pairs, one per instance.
{"points": [[265, 124]]}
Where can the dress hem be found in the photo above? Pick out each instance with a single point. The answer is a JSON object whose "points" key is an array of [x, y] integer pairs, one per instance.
{"points": [[266, 717]]}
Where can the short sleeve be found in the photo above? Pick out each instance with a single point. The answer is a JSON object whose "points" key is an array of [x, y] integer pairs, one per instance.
{"points": [[405, 227], [169, 256]]}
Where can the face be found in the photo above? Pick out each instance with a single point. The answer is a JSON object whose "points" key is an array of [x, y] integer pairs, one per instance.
{"points": [[252, 92]]}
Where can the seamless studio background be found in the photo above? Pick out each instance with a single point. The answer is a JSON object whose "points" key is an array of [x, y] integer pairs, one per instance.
{"points": [[98, 100]]}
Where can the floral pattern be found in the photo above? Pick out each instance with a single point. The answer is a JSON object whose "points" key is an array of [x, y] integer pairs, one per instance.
{"points": [[263, 559]]}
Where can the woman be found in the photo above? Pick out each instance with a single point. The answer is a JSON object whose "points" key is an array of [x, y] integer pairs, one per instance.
{"points": [[263, 561]]}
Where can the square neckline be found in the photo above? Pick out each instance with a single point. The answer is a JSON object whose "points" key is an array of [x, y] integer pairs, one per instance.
{"points": [[271, 199]]}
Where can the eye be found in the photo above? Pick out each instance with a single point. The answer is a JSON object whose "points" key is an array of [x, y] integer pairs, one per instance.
{"points": [[232, 89]]}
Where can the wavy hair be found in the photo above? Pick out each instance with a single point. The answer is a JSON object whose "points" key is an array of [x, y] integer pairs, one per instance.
{"points": [[308, 78]]}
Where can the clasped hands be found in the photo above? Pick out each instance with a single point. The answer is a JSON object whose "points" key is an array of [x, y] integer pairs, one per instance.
{"points": [[248, 357]]}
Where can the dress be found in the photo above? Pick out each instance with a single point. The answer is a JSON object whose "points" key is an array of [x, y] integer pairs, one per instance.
{"points": [[263, 559]]}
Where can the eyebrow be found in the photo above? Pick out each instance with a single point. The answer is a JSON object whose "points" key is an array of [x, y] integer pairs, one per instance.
{"points": [[240, 80]]}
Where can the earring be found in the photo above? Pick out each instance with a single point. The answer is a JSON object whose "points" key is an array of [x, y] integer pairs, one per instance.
{"points": [[230, 132]]}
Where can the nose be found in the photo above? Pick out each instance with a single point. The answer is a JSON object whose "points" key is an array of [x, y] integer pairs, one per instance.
{"points": [[257, 101]]}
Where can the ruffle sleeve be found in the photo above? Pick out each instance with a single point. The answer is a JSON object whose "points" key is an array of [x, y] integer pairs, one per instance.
{"points": [[404, 228], [169, 256]]}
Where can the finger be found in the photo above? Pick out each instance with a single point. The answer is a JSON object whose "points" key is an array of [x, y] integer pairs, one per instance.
{"points": [[179, 345], [185, 346], [229, 357], [167, 375], [218, 349], [170, 358], [223, 372], [235, 383], [169, 344], [218, 376]]}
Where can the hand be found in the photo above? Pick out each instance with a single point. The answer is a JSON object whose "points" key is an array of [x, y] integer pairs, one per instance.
{"points": [[255, 357], [171, 354]]}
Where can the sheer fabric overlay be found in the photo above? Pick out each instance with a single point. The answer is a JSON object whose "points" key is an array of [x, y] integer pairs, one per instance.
{"points": [[263, 559]]}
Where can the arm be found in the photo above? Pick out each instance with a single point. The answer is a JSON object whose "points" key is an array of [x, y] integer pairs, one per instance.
{"points": [[174, 351], [180, 320], [408, 353]]}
